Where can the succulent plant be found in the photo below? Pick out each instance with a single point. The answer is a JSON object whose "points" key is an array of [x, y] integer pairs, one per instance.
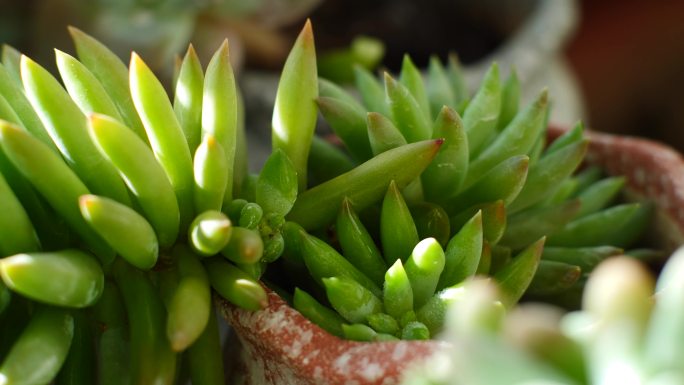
{"points": [[114, 232], [624, 333], [491, 191]]}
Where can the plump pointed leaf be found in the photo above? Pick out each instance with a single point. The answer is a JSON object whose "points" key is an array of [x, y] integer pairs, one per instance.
{"points": [[143, 175], [112, 74], [514, 278], [397, 291], [445, 175], [412, 79], [294, 114], [357, 245], [527, 226], [503, 182], [364, 184], [439, 90], [510, 98], [165, 134], [219, 110], [187, 101], [517, 138], [372, 93], [84, 88], [423, 268], [398, 233], [210, 171], [383, 135], [349, 123], [481, 116], [44, 169], [547, 175], [76, 278], [462, 255], [126, 231], [67, 127], [406, 112]]}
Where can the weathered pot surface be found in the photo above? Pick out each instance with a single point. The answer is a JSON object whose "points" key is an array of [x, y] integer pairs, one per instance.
{"points": [[279, 346]]}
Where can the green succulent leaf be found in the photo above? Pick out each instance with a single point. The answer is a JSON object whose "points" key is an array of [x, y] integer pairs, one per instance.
{"points": [[406, 113], [364, 184], [480, 118], [67, 127], [188, 98], [294, 114], [276, 189], [165, 134], [219, 110], [112, 74]]}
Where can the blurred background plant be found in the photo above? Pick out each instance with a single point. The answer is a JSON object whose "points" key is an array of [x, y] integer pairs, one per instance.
{"points": [[624, 334], [614, 64], [157, 29]]}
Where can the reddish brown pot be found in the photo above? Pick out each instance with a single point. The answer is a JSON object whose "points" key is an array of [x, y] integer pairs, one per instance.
{"points": [[279, 346]]}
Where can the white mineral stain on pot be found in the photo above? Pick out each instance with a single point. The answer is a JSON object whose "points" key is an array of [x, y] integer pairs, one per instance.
{"points": [[303, 339], [372, 372], [341, 363], [400, 350]]}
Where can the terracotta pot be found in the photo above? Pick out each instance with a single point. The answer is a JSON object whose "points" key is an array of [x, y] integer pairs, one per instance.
{"points": [[279, 346]]}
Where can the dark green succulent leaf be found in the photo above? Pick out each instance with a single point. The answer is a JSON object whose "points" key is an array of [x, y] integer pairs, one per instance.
{"points": [[439, 90], [326, 161], [552, 278], [431, 222], [515, 277], [457, 81], [462, 255], [352, 300], [371, 90], [599, 195], [349, 123], [319, 314], [445, 175], [510, 99], [547, 175], [574, 135], [328, 89], [398, 233], [358, 245], [503, 182], [599, 228], [412, 79], [517, 138], [407, 113], [383, 135], [482, 114], [586, 258]]}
